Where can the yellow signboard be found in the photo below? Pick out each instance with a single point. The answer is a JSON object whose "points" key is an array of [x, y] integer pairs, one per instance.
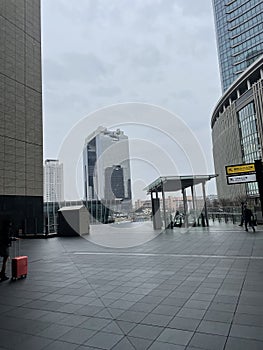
{"points": [[240, 168]]}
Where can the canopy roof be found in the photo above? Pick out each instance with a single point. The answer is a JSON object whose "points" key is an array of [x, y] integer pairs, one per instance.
{"points": [[177, 183]]}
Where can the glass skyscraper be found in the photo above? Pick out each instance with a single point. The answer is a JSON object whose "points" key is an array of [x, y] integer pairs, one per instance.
{"points": [[239, 29], [106, 165]]}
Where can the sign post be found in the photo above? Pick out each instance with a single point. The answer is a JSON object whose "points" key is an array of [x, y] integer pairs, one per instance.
{"points": [[240, 179], [243, 173], [240, 169]]}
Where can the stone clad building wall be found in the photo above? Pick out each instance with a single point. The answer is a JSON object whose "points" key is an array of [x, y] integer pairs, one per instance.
{"points": [[21, 145]]}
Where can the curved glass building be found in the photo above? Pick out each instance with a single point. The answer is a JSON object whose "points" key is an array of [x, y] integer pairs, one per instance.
{"points": [[237, 129], [237, 118]]}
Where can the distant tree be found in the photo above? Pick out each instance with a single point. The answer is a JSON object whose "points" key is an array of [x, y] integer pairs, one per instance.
{"points": [[224, 202], [240, 199], [215, 203]]}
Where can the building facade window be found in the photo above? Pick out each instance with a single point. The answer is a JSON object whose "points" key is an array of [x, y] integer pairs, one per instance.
{"points": [[249, 140]]}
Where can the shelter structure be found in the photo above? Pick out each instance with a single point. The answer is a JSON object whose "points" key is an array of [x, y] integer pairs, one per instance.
{"points": [[173, 184]]}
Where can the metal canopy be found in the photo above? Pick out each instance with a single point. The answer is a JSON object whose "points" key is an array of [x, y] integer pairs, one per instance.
{"points": [[177, 183], [172, 184]]}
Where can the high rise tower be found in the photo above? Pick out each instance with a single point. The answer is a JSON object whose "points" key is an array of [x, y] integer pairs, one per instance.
{"points": [[238, 116], [106, 165], [239, 29], [53, 181], [21, 159]]}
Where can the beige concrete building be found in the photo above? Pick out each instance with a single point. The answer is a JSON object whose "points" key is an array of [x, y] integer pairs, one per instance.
{"points": [[21, 145]]}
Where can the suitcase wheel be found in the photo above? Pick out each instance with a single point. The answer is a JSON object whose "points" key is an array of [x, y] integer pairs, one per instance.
{"points": [[16, 278]]}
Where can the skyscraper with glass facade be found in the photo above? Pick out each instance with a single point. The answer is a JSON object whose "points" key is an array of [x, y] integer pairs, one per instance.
{"points": [[21, 146], [239, 30], [106, 165]]}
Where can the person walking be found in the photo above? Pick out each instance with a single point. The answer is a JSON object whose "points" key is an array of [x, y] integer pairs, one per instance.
{"points": [[5, 242], [248, 218], [242, 213]]}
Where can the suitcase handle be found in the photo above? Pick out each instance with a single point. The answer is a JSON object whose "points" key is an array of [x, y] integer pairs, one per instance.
{"points": [[16, 250]]}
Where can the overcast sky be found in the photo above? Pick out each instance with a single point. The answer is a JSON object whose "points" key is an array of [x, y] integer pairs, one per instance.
{"points": [[98, 53]]}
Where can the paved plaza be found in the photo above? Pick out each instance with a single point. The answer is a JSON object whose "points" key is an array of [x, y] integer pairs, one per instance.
{"points": [[181, 289]]}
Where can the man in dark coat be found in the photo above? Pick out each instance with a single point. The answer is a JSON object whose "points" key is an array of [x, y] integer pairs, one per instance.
{"points": [[248, 217], [243, 204], [5, 242]]}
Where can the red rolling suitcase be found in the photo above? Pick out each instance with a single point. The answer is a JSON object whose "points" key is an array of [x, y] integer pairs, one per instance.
{"points": [[19, 267]]}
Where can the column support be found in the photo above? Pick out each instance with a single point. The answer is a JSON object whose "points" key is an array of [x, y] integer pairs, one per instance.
{"points": [[185, 208], [193, 201], [205, 206], [164, 208]]}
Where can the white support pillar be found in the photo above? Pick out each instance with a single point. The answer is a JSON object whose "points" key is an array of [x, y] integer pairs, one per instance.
{"points": [[238, 93], [261, 73], [248, 84]]}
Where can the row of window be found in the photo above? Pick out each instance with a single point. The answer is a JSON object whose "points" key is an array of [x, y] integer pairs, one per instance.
{"points": [[225, 51], [253, 51], [248, 61], [250, 152], [241, 9], [252, 187], [250, 42], [248, 34], [247, 111], [247, 15], [246, 25], [247, 115], [221, 21], [235, 4], [249, 140], [230, 70], [248, 128]]}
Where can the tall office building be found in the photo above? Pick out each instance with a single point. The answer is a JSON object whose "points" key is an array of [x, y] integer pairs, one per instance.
{"points": [[106, 165], [21, 159], [237, 120], [53, 181], [239, 30]]}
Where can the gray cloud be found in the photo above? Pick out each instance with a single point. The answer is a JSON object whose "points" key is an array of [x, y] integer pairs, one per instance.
{"points": [[76, 67]]}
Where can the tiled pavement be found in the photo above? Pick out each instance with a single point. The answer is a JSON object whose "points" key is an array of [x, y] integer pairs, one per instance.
{"points": [[197, 289]]}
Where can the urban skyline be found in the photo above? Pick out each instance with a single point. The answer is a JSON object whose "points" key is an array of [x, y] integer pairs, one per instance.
{"points": [[174, 8]]}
